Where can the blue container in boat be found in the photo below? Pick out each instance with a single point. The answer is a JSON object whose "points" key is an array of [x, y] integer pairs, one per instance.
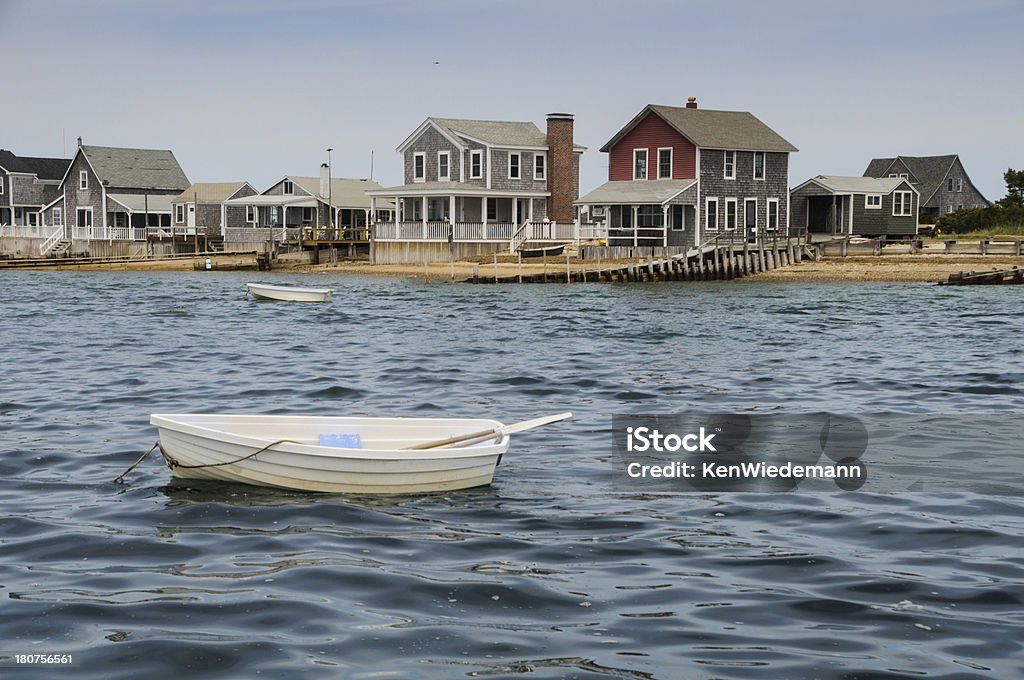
{"points": [[341, 441]]}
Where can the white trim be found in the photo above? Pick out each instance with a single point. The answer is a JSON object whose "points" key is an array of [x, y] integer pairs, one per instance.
{"points": [[80, 210], [54, 211], [707, 213], [519, 165], [867, 202], [735, 214], [697, 221], [83, 180], [906, 209], [421, 155], [757, 223], [421, 129], [725, 164], [543, 167], [179, 213], [448, 161], [1, 185], [647, 164], [254, 210], [488, 167], [287, 187], [479, 155], [764, 166], [768, 214], [671, 154]]}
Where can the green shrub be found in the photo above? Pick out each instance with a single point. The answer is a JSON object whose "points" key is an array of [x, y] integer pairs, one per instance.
{"points": [[995, 219]]}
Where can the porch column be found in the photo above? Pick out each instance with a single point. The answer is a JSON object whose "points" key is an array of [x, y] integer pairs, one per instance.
{"points": [[664, 225], [398, 215], [223, 220], [423, 215], [451, 209], [515, 212], [636, 229], [483, 215]]}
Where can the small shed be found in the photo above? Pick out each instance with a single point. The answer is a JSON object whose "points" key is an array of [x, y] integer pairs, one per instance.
{"points": [[865, 206]]}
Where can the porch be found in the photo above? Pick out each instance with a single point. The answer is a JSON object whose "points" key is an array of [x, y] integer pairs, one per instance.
{"points": [[659, 213], [20, 216]]}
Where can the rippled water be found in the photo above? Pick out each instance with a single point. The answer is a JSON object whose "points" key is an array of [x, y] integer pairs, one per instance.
{"points": [[549, 572]]}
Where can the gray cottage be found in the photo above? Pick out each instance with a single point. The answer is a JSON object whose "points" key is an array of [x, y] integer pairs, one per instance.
{"points": [[481, 184], [680, 176], [201, 208], [116, 194], [832, 206], [26, 185], [941, 181]]}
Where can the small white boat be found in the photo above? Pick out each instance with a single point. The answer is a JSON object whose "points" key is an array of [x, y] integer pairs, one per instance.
{"points": [[266, 291], [337, 454]]}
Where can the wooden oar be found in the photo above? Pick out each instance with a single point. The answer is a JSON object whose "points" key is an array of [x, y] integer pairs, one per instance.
{"points": [[493, 433]]}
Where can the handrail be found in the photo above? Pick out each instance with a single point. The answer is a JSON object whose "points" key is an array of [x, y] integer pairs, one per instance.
{"points": [[520, 237], [51, 241]]}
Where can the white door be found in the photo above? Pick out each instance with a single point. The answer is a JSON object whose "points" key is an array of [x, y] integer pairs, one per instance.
{"points": [[192, 215]]}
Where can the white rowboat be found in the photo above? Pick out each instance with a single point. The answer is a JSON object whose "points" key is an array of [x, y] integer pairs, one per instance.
{"points": [[376, 455], [266, 291]]}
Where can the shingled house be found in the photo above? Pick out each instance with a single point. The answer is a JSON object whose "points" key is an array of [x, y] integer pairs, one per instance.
{"points": [[678, 176], [834, 206], [26, 185], [201, 208], [479, 183], [113, 193], [941, 181]]}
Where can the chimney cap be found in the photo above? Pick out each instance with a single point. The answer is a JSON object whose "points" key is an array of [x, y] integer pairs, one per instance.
{"points": [[691, 102], [560, 116]]}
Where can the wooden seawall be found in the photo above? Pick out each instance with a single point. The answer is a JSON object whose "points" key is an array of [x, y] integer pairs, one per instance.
{"points": [[710, 262]]}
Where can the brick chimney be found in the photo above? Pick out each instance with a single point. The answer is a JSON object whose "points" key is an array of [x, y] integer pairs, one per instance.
{"points": [[561, 171], [691, 102]]}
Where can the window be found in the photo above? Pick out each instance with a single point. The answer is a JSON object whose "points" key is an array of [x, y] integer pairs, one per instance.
{"points": [[83, 180], [1, 185], [901, 175], [639, 163], [622, 217], [873, 201], [759, 165], [179, 213], [904, 175], [664, 163], [492, 208], [33, 219], [273, 215], [419, 170], [959, 184], [711, 214], [85, 217], [901, 204], [539, 162], [417, 210], [730, 214], [677, 218], [58, 216], [949, 208], [949, 184], [648, 215], [250, 213], [289, 188], [476, 164], [513, 165], [730, 165], [773, 214], [444, 172], [307, 214]]}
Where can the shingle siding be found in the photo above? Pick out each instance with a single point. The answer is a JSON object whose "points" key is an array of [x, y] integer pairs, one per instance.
{"points": [[968, 197], [430, 143], [76, 198], [774, 185]]}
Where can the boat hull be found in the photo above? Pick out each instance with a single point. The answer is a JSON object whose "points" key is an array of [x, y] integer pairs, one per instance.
{"points": [[542, 252], [261, 291], [384, 467]]}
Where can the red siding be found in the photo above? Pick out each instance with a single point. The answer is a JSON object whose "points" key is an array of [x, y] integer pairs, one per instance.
{"points": [[652, 133]]}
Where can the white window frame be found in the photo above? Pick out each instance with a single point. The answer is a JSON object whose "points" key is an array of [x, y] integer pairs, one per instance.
{"points": [[540, 173], [647, 167], [250, 214], [179, 213], [476, 157], [735, 213], [949, 208], [764, 166], [959, 184], [709, 213], [32, 218], [669, 149], [1, 185], [87, 211], [83, 180], [905, 200], [57, 215], [729, 165], [288, 188], [768, 214], [421, 158], [518, 165], [448, 166], [868, 205]]}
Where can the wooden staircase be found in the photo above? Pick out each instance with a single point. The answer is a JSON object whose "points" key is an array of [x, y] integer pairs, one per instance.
{"points": [[59, 249]]}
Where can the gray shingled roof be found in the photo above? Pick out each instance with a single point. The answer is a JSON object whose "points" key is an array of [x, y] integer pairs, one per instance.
{"points": [[499, 132], [858, 185], [345, 193], [712, 129], [209, 192], [929, 171], [43, 168], [653, 192], [136, 168]]}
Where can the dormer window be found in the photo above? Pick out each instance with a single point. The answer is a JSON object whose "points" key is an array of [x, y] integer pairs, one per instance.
{"points": [[639, 163], [443, 166], [289, 188], [83, 180], [419, 167]]}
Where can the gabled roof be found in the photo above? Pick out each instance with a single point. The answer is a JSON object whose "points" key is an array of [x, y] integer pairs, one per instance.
{"points": [[210, 192], [618, 192], [43, 168], [857, 185], [712, 129], [136, 168], [345, 193], [141, 203], [928, 171], [503, 133]]}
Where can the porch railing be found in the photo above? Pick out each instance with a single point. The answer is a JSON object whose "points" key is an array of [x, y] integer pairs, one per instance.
{"points": [[504, 232]]}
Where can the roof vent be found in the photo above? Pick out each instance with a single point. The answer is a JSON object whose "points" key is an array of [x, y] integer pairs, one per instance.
{"points": [[691, 102]]}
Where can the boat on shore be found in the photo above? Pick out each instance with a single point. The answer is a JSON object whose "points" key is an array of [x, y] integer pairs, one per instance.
{"points": [[337, 454], [266, 291], [547, 251]]}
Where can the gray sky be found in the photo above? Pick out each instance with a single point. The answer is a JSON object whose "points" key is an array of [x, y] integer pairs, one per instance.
{"points": [[259, 89]]}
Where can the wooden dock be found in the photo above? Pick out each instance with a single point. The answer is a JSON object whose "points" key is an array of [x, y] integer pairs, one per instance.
{"points": [[991, 278], [717, 260]]}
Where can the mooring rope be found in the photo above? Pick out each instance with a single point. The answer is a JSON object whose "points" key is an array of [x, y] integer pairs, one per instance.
{"points": [[171, 463]]}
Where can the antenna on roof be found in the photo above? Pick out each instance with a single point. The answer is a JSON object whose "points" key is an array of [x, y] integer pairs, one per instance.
{"points": [[371, 164]]}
